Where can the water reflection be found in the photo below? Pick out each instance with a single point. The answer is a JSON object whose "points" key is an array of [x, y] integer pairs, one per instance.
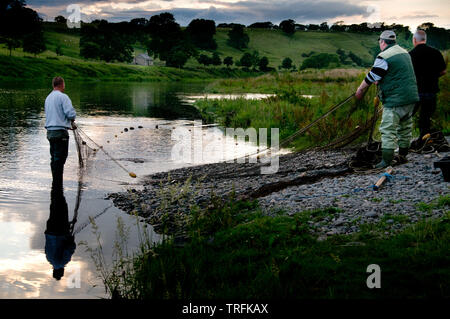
{"points": [[59, 239]]}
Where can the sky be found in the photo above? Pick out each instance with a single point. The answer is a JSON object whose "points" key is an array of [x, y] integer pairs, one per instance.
{"points": [[411, 12]]}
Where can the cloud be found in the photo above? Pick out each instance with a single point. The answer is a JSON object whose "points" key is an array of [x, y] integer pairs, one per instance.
{"points": [[222, 11]]}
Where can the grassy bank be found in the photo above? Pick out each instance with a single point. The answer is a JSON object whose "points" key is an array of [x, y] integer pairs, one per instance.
{"points": [[289, 110], [15, 67], [235, 251]]}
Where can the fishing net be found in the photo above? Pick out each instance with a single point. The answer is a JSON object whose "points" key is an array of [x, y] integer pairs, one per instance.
{"points": [[85, 153]]}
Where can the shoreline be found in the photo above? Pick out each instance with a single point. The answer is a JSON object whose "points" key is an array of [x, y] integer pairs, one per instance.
{"points": [[306, 181]]}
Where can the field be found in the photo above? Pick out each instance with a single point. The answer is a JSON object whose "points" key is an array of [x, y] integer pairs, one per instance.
{"points": [[271, 43]]}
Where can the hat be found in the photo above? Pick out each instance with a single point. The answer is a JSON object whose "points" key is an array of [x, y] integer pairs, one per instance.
{"points": [[388, 35]]}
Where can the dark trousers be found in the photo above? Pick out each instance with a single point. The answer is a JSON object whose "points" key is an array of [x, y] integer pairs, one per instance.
{"points": [[59, 149], [426, 107]]}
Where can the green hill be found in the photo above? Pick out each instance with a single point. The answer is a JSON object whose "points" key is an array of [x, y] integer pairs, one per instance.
{"points": [[276, 45], [273, 44]]}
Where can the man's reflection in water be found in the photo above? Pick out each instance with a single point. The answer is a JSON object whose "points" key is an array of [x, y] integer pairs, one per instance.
{"points": [[59, 240]]}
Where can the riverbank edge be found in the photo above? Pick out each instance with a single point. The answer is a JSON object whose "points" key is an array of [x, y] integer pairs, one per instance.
{"points": [[36, 68], [308, 169]]}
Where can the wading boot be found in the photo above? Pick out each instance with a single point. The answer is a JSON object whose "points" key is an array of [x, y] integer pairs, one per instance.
{"points": [[387, 156], [401, 157]]}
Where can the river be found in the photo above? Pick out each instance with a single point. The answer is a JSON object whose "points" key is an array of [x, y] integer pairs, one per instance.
{"points": [[103, 111]]}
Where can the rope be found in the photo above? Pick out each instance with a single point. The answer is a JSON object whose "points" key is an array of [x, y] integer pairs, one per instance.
{"points": [[300, 131]]}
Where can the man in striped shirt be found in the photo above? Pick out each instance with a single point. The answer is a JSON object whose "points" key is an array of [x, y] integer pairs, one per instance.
{"points": [[393, 72]]}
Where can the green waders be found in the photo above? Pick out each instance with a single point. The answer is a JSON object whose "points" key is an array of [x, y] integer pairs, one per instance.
{"points": [[396, 130]]}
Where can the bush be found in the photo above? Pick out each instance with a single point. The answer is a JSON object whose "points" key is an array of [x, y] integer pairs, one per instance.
{"points": [[319, 61]]}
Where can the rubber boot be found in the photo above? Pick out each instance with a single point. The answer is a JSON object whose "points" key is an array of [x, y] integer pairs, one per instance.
{"points": [[387, 156], [402, 153]]}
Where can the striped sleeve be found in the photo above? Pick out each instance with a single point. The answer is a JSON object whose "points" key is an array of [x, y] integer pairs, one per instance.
{"points": [[378, 71]]}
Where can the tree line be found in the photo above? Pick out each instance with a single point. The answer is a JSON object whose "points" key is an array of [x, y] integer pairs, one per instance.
{"points": [[165, 39], [21, 27]]}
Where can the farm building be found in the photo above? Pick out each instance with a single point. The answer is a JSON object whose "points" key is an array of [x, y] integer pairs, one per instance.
{"points": [[143, 59]]}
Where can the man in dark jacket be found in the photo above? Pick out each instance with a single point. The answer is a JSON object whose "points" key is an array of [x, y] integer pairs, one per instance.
{"points": [[429, 65]]}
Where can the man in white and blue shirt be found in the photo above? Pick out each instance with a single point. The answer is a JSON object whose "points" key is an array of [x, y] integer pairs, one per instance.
{"points": [[60, 116], [393, 72]]}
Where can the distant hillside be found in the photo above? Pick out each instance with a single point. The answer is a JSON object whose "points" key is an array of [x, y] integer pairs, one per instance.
{"points": [[271, 43], [276, 45]]}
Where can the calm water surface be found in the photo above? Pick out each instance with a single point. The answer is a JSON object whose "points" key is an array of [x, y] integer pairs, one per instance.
{"points": [[104, 109]]}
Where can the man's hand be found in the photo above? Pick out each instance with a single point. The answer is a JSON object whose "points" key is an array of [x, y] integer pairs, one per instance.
{"points": [[359, 93], [74, 126], [361, 90]]}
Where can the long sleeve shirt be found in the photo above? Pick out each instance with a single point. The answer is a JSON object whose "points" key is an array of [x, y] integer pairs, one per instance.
{"points": [[59, 111], [378, 71]]}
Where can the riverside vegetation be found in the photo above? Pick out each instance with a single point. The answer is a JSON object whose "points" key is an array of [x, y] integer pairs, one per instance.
{"points": [[234, 250], [290, 110]]}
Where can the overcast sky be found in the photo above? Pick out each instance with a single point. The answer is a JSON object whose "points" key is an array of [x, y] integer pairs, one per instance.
{"points": [[410, 12]]}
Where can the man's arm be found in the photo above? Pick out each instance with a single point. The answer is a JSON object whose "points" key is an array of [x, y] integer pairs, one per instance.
{"points": [[376, 74], [69, 111]]}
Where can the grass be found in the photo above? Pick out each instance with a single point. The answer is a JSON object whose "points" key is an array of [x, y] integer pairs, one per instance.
{"points": [[279, 47], [26, 67], [440, 202], [289, 110], [235, 251], [276, 46]]}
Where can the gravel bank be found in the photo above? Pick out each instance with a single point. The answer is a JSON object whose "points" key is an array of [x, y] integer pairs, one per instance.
{"points": [[305, 181]]}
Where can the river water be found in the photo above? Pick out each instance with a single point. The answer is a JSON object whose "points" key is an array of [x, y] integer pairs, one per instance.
{"points": [[104, 110]]}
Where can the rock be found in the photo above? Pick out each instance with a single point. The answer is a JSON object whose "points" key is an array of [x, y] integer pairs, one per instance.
{"points": [[339, 222], [371, 214]]}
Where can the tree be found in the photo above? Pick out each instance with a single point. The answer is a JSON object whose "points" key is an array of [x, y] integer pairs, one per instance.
{"points": [[255, 59], [319, 61], [324, 26], [201, 33], [60, 19], [237, 38], [288, 26], [216, 59], [167, 38], [358, 61], [17, 22], [287, 63], [177, 57], [246, 60], [58, 50], [228, 61], [261, 25], [263, 63], [105, 41], [204, 59], [34, 42], [338, 26]]}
